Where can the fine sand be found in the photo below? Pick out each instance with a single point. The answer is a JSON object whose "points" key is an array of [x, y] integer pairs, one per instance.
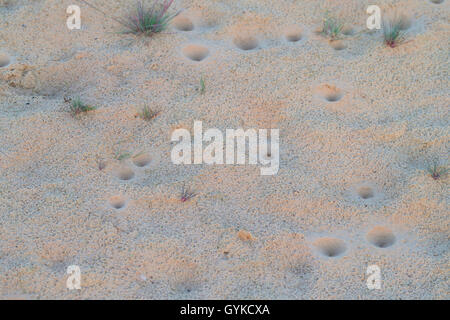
{"points": [[359, 123]]}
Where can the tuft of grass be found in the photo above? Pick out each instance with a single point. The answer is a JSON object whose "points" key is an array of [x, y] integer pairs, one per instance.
{"points": [[77, 106], [202, 85], [332, 27], [148, 114], [122, 155], [186, 194], [436, 171], [392, 31], [148, 21], [143, 21]]}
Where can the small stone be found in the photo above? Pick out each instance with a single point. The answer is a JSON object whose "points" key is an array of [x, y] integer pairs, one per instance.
{"points": [[245, 235]]}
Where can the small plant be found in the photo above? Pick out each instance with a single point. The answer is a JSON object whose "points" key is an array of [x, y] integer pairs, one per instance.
{"points": [[392, 31], [122, 155], [202, 85], [149, 21], [436, 171], [186, 194], [77, 106], [143, 21], [148, 114], [332, 27]]}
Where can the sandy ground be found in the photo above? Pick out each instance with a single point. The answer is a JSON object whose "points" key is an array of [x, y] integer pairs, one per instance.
{"points": [[352, 189]]}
